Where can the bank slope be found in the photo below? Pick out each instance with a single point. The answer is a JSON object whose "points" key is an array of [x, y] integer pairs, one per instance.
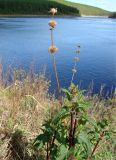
{"points": [[86, 9], [41, 7]]}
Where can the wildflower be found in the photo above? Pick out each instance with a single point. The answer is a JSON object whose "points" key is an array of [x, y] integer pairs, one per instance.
{"points": [[53, 11], [52, 23], [76, 59], [73, 89], [53, 49], [74, 70]]}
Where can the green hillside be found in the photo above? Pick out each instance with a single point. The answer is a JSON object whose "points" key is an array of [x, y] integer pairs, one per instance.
{"points": [[86, 9], [41, 7]]}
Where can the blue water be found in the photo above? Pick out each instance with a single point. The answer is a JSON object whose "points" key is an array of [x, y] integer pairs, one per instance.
{"points": [[24, 41]]}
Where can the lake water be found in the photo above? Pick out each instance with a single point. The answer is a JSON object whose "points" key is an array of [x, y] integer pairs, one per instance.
{"points": [[24, 41]]}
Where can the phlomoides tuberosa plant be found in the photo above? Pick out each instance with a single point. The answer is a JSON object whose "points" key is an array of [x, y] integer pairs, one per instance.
{"points": [[70, 133]]}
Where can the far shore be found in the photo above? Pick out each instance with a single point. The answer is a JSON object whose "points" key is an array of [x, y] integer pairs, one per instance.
{"points": [[48, 16]]}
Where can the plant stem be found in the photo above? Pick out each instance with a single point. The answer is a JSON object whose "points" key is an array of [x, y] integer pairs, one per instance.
{"points": [[52, 39], [52, 144], [54, 61], [72, 129], [73, 72], [56, 74], [47, 157], [75, 124], [96, 145]]}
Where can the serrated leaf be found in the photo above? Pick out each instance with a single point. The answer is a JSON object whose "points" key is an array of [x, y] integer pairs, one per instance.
{"points": [[67, 93], [63, 151], [83, 138], [60, 115]]}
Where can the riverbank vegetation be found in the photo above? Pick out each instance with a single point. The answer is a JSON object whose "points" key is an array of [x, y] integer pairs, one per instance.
{"points": [[25, 105], [41, 7], [37, 125]]}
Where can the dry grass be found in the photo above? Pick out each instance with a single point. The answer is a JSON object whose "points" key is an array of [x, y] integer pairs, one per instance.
{"points": [[23, 106], [105, 109], [25, 103]]}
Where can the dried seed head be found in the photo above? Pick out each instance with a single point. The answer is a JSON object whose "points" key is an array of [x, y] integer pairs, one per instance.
{"points": [[76, 59], [74, 70], [78, 51], [52, 23], [53, 11], [53, 49]]}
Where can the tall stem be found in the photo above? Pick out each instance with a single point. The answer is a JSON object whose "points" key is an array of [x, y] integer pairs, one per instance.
{"points": [[54, 61], [73, 72], [75, 64], [56, 74], [96, 145], [73, 124], [47, 156], [52, 38]]}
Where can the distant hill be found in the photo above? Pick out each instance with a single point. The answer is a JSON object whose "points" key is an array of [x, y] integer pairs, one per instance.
{"points": [[86, 9], [41, 7]]}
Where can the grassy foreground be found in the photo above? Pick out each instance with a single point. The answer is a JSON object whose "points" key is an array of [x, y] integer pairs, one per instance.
{"points": [[40, 7], [23, 107]]}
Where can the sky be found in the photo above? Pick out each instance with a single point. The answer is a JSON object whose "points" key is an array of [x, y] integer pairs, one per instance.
{"points": [[109, 5]]}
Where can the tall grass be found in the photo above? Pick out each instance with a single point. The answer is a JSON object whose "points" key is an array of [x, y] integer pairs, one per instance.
{"points": [[23, 106]]}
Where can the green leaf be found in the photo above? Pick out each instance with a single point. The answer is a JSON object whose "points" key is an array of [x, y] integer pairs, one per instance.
{"points": [[40, 141], [63, 151], [83, 138], [91, 121], [84, 104], [67, 93], [60, 115]]}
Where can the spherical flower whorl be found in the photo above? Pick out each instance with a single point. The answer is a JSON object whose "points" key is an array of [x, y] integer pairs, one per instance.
{"points": [[53, 11], [53, 49], [78, 51], [52, 23], [74, 70], [76, 59], [73, 89]]}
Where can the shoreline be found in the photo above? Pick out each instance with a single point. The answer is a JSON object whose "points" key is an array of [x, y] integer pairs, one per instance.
{"points": [[41, 16], [49, 16]]}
